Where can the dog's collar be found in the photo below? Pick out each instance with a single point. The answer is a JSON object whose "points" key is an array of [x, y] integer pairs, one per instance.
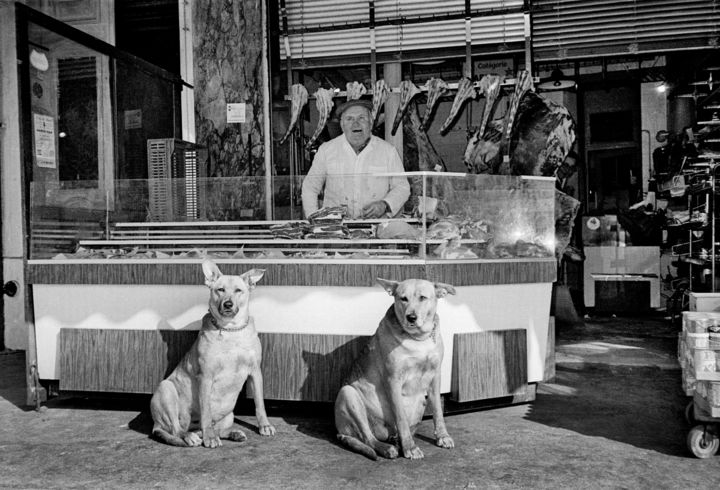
{"points": [[215, 324], [434, 331]]}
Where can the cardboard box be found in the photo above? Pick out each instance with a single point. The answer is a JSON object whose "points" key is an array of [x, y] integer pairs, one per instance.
{"points": [[704, 302]]}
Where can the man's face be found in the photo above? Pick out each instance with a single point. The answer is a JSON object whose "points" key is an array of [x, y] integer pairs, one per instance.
{"points": [[355, 124]]}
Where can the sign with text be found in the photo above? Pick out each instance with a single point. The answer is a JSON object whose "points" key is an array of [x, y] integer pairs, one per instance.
{"points": [[503, 67], [44, 132]]}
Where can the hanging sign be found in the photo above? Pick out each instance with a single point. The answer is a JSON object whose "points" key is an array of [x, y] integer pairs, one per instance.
{"points": [[44, 132], [503, 67]]}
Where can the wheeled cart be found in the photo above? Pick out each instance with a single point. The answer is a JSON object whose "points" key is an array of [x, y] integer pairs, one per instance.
{"points": [[699, 357], [703, 439]]}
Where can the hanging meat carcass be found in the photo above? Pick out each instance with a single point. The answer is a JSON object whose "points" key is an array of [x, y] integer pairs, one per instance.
{"points": [[523, 84], [415, 139], [380, 95], [436, 87], [324, 104], [465, 92], [298, 99], [542, 136], [420, 154], [355, 90], [408, 90], [490, 88]]}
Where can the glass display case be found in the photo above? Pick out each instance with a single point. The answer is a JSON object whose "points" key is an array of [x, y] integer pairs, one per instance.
{"points": [[447, 217], [491, 237]]}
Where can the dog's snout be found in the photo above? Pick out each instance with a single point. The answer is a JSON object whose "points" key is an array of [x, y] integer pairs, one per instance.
{"points": [[227, 304], [411, 317]]}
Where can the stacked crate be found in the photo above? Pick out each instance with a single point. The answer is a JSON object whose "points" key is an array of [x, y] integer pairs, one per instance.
{"points": [[699, 358]]}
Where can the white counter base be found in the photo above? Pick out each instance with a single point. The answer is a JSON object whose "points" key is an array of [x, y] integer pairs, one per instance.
{"points": [[288, 309]]}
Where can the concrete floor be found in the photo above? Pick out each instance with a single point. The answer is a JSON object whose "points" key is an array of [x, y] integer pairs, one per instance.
{"points": [[612, 418]]}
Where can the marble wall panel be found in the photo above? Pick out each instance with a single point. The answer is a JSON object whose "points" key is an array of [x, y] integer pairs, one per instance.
{"points": [[227, 49]]}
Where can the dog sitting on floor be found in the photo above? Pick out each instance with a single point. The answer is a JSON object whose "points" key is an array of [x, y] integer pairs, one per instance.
{"points": [[383, 399], [202, 391]]}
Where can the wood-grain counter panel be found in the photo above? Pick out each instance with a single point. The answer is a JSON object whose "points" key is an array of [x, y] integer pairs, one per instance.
{"points": [[358, 274]]}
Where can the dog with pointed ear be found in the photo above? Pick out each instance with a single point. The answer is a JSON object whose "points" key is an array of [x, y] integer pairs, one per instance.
{"points": [[383, 400], [194, 405]]}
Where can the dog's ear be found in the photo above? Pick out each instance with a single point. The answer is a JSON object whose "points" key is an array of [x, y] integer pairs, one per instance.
{"points": [[252, 276], [390, 286], [211, 271], [442, 289]]}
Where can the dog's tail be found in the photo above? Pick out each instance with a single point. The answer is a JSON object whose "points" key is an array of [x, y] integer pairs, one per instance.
{"points": [[168, 438], [358, 446]]}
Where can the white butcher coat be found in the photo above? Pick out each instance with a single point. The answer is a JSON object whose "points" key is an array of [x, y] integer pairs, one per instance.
{"points": [[346, 178]]}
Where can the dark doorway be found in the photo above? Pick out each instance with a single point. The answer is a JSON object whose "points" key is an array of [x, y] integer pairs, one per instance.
{"points": [[612, 146], [78, 119], [149, 29]]}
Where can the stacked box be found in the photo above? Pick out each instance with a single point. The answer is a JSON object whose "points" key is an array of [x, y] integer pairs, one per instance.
{"points": [[699, 355]]}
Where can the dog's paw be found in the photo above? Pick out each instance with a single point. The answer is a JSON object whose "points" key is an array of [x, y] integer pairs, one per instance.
{"points": [[388, 451], [237, 435], [210, 439], [192, 439], [445, 441], [267, 430], [413, 453]]}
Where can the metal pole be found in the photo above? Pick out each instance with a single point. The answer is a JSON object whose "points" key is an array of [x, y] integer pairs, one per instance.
{"points": [[373, 54], [711, 215], [267, 111]]}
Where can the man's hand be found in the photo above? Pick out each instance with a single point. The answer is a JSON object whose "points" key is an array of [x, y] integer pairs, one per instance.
{"points": [[375, 209]]}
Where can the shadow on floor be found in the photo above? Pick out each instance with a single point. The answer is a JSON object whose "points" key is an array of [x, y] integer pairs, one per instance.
{"points": [[641, 404], [643, 407], [12, 379]]}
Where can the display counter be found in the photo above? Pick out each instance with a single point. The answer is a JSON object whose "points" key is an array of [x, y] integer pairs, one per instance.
{"points": [[117, 301]]}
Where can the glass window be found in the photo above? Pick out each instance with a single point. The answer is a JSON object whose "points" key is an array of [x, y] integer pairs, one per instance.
{"points": [[71, 114]]}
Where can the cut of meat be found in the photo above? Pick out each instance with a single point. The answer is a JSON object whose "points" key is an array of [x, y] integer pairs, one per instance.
{"points": [[436, 87], [465, 92], [408, 90], [324, 103], [380, 94], [328, 215], [355, 90], [523, 84], [415, 139], [298, 99], [490, 87]]}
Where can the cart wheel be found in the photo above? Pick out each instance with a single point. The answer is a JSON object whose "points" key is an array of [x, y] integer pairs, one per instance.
{"points": [[702, 442], [690, 413]]}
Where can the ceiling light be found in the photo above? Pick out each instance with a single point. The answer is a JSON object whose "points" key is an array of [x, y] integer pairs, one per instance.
{"points": [[557, 81]]}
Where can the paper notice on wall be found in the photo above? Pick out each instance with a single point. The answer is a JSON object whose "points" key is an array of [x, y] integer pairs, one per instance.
{"points": [[44, 129], [236, 113], [133, 119]]}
